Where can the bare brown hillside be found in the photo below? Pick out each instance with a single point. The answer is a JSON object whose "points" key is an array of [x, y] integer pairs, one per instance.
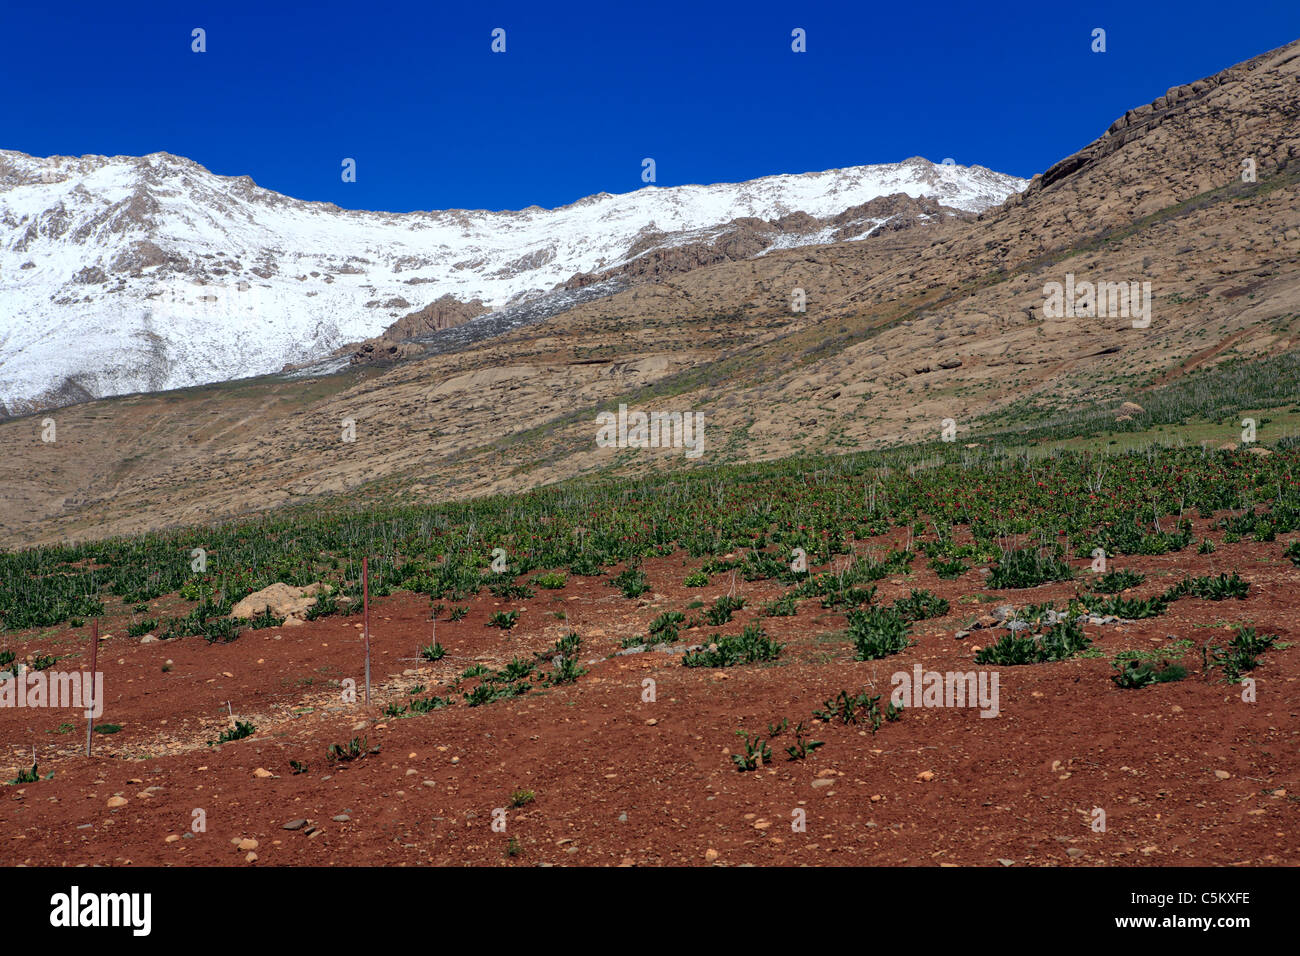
{"points": [[900, 332]]}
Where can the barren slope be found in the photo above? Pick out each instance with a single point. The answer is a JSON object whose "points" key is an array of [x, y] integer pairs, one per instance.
{"points": [[1159, 198]]}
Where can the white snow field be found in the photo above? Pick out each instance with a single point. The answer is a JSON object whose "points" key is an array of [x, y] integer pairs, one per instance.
{"points": [[124, 274]]}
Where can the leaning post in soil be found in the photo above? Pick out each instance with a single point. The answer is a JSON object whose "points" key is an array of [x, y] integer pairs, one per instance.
{"points": [[365, 617], [89, 697]]}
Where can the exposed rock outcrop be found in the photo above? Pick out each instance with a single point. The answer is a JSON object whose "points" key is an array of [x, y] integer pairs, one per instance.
{"points": [[395, 342]]}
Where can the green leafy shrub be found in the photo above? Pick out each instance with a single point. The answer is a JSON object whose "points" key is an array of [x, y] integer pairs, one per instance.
{"points": [[1028, 568], [488, 692], [722, 609], [858, 708], [1219, 588], [851, 596], [920, 605], [30, 774], [877, 632], [666, 626], [503, 619], [784, 606], [516, 670], [354, 749], [631, 581], [1132, 609], [948, 570], [567, 671], [242, 729], [1060, 642], [508, 590], [586, 566], [223, 629], [265, 619], [802, 746], [1114, 582], [751, 646], [756, 752], [761, 566], [1132, 674], [327, 603], [1240, 655]]}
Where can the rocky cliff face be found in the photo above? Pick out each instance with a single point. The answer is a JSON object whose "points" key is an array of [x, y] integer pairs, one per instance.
{"points": [[395, 343]]}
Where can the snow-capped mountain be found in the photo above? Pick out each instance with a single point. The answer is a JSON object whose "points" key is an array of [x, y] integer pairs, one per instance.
{"points": [[122, 274]]}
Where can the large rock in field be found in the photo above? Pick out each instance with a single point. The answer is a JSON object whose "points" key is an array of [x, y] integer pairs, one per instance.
{"points": [[283, 600]]}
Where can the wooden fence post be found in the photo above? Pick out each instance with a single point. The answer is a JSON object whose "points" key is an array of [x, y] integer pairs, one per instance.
{"points": [[365, 613], [90, 697]]}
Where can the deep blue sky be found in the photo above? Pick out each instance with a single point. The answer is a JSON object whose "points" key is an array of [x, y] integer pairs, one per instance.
{"points": [[712, 92]]}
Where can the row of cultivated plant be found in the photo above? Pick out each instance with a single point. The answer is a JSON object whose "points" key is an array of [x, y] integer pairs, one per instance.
{"points": [[998, 513]]}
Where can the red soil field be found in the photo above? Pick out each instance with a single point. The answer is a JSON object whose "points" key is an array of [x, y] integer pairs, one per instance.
{"points": [[1187, 772]]}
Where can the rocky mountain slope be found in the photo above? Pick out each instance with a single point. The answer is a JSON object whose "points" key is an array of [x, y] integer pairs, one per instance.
{"points": [[124, 274], [900, 333]]}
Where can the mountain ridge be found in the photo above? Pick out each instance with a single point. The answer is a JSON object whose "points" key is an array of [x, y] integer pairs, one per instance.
{"points": [[129, 274]]}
